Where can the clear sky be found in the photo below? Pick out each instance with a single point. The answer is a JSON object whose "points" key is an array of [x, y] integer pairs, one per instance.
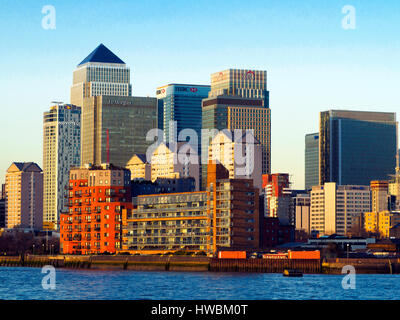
{"points": [[313, 63]]}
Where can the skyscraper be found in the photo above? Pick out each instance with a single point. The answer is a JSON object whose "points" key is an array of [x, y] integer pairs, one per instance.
{"points": [[114, 124], [114, 128], [311, 160], [100, 73], [238, 99], [356, 147], [24, 195], [181, 103], [61, 151]]}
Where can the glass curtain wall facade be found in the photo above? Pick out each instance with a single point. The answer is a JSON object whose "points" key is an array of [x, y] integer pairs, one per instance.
{"points": [[181, 103], [311, 160], [357, 147], [127, 121]]}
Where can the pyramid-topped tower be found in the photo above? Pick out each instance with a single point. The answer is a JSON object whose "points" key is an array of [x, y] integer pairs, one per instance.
{"points": [[101, 73], [102, 55]]}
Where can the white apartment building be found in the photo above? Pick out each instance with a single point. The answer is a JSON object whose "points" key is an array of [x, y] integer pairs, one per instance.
{"points": [[334, 207], [169, 161], [240, 155]]}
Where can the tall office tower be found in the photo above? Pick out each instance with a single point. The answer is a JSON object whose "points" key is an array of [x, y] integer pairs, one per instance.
{"points": [[240, 153], [181, 103], [114, 128], [61, 151], [238, 99], [334, 208], [24, 196], [277, 199], [100, 73], [380, 196], [356, 147], [167, 161], [311, 160]]}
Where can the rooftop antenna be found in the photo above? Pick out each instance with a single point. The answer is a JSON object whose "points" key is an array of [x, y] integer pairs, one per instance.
{"points": [[108, 147]]}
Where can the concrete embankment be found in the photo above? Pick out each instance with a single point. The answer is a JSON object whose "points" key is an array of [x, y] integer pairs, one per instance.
{"points": [[367, 266], [188, 263], [149, 263]]}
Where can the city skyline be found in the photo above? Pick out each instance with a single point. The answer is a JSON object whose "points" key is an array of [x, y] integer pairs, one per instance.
{"points": [[313, 69]]}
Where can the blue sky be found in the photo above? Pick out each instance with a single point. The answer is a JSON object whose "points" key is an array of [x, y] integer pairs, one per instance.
{"points": [[313, 63]]}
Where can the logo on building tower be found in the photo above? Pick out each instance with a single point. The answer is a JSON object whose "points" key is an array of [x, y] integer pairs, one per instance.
{"points": [[249, 75]]}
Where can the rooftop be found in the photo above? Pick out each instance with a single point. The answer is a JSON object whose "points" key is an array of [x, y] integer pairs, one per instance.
{"points": [[102, 54]]}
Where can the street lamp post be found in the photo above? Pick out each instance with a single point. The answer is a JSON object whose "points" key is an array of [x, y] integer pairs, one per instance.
{"points": [[347, 251], [33, 249]]}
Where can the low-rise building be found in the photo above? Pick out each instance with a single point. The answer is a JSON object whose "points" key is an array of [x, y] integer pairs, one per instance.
{"points": [[24, 196], [139, 167], [177, 160], [168, 222], [341, 241], [226, 215], [162, 185], [381, 222]]}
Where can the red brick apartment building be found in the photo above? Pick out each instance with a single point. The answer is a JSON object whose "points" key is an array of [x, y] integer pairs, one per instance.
{"points": [[97, 195]]}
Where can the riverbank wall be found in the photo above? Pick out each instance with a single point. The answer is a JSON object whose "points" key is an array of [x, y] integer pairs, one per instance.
{"points": [[202, 264], [366, 266]]}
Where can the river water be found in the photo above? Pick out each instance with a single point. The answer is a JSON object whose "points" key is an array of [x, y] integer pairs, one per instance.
{"points": [[26, 283]]}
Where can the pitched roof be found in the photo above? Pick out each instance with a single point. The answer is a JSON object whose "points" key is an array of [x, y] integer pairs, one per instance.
{"points": [[102, 54], [133, 160], [24, 166]]}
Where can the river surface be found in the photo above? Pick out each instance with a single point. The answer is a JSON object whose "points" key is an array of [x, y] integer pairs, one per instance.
{"points": [[18, 283]]}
